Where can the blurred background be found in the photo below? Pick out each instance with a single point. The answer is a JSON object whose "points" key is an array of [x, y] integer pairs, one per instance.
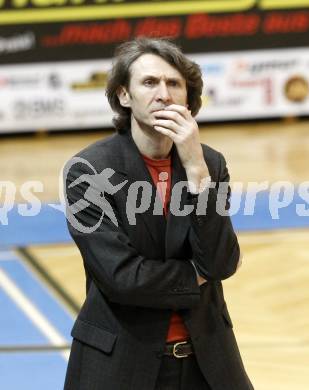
{"points": [[54, 59]]}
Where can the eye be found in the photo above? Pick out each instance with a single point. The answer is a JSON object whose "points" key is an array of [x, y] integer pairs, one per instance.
{"points": [[149, 82], [173, 83]]}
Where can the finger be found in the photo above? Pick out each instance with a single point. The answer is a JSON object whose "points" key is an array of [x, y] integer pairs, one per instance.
{"points": [[168, 124], [166, 132], [182, 110], [171, 115]]}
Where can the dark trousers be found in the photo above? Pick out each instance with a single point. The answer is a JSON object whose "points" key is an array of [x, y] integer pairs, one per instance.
{"points": [[180, 374]]}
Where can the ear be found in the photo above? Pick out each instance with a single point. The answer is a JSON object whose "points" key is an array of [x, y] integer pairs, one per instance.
{"points": [[123, 96]]}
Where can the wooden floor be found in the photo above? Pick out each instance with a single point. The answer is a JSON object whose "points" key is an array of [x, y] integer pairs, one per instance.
{"points": [[269, 296]]}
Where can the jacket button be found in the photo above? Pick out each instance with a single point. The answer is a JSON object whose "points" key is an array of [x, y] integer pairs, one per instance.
{"points": [[199, 220]]}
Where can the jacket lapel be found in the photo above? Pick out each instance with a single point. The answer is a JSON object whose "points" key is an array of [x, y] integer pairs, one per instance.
{"points": [[177, 226], [171, 230], [135, 170]]}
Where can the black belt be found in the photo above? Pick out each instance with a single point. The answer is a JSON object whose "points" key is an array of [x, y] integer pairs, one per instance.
{"points": [[180, 349]]}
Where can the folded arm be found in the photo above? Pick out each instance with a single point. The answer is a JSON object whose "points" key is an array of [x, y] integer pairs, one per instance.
{"points": [[119, 271], [216, 252]]}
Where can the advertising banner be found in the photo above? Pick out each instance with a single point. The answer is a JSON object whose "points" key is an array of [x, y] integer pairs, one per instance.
{"points": [[50, 96], [71, 95], [80, 35], [255, 84]]}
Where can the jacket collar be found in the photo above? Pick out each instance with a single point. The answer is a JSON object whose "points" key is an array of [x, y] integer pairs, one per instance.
{"points": [[177, 226], [173, 229]]}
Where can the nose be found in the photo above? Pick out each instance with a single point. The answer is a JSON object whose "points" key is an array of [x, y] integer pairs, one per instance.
{"points": [[163, 94]]}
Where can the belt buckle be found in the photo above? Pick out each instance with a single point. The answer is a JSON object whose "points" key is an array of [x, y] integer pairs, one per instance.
{"points": [[177, 355]]}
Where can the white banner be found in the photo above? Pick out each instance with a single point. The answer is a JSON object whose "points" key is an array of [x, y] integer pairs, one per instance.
{"points": [[51, 96], [255, 84], [71, 95]]}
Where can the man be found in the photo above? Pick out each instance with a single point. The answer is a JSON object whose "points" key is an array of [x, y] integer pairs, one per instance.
{"points": [[154, 247]]}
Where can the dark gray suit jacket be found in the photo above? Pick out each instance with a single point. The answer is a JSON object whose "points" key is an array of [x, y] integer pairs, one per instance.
{"points": [[138, 274]]}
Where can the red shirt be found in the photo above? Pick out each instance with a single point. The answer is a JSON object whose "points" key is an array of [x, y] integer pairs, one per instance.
{"points": [[161, 173]]}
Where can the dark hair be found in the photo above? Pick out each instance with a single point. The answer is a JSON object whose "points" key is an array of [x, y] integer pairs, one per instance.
{"points": [[130, 51]]}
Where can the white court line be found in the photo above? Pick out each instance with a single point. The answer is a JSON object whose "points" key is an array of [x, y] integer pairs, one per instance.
{"points": [[32, 313]]}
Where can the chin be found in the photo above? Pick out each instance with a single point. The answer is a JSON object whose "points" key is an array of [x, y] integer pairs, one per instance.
{"points": [[146, 125]]}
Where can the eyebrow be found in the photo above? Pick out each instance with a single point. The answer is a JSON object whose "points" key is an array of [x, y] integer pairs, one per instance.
{"points": [[149, 76]]}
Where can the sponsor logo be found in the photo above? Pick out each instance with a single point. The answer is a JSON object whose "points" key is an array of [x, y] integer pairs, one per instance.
{"points": [[296, 89], [265, 84], [17, 43], [212, 99], [54, 80], [38, 108], [212, 69], [265, 66], [19, 81], [52, 11], [97, 80]]}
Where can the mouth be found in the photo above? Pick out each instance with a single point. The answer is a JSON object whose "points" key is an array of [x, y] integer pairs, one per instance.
{"points": [[157, 109]]}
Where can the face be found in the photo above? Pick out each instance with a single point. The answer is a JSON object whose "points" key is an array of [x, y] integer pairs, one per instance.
{"points": [[154, 84]]}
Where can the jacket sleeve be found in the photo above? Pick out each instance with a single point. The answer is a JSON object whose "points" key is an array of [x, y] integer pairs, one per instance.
{"points": [[121, 273], [213, 240]]}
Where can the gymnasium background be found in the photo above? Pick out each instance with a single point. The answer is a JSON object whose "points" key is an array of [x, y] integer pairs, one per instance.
{"points": [[54, 58]]}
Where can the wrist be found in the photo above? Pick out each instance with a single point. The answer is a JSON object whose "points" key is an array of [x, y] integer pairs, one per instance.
{"points": [[196, 170], [198, 178]]}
